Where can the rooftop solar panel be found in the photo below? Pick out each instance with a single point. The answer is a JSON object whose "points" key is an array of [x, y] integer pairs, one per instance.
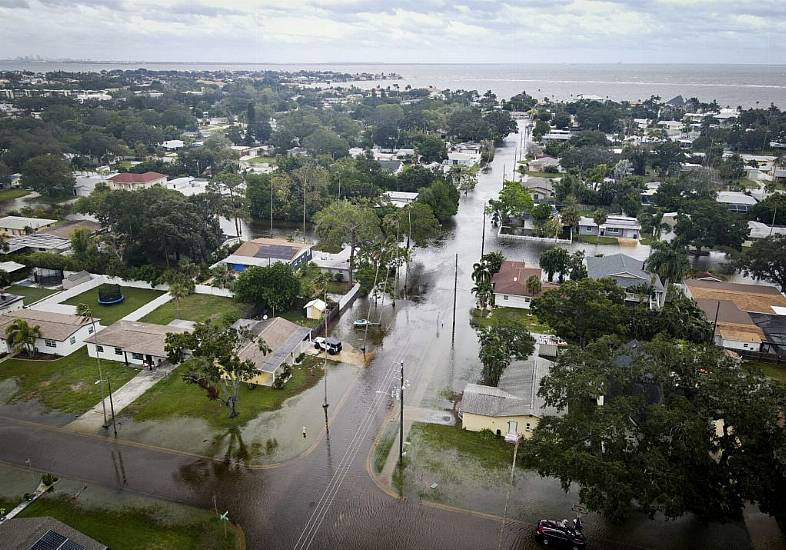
{"points": [[53, 540], [280, 251]]}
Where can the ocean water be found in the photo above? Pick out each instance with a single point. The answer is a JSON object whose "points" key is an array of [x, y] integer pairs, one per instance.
{"points": [[730, 85]]}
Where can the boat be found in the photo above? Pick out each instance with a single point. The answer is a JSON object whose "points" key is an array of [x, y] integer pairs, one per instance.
{"points": [[361, 322]]}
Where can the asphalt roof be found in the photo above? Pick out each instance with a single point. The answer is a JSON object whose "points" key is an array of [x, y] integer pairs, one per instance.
{"points": [[281, 336], [624, 269], [517, 394]]}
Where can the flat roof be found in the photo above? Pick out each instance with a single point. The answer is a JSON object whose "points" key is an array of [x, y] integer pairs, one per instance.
{"points": [[20, 222]]}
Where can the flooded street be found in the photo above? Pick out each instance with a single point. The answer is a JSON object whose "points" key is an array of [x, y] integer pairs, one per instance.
{"points": [[325, 498]]}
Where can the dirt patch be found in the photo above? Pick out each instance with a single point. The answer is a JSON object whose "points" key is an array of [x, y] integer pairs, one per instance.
{"points": [[79, 386]]}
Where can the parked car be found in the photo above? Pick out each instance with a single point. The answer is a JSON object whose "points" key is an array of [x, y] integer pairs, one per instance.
{"points": [[330, 344], [561, 534]]}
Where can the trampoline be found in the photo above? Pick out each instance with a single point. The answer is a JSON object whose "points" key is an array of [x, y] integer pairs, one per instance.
{"points": [[109, 295]]}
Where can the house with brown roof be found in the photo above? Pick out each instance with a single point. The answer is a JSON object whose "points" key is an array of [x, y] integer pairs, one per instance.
{"points": [[285, 339], [61, 334], [728, 307], [132, 342], [265, 252], [511, 288], [129, 181]]}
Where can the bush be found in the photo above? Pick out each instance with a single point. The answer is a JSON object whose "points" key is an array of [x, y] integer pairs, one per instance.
{"points": [[338, 277], [551, 170], [48, 479]]}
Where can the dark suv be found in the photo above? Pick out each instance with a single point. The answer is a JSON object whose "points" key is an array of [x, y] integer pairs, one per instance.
{"points": [[561, 534]]}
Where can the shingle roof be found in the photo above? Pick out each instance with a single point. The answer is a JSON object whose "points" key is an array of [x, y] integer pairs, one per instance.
{"points": [[130, 177], [517, 394], [512, 278], [624, 269], [733, 323], [747, 297], [281, 336], [136, 337], [53, 326]]}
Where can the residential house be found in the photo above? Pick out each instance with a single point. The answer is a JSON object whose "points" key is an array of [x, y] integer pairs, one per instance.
{"points": [[729, 305], [736, 201], [15, 226], [264, 252], [514, 408], [129, 181], [614, 226], [540, 189], [10, 302], [285, 339], [462, 158], [37, 243], [393, 166], [132, 342], [61, 334], [556, 135], [758, 230], [173, 144], [648, 195], [540, 164], [628, 273], [44, 533], [774, 329], [334, 264], [12, 267], [510, 285], [400, 199]]}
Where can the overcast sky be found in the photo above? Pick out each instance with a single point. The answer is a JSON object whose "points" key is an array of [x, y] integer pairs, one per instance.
{"points": [[301, 31]]}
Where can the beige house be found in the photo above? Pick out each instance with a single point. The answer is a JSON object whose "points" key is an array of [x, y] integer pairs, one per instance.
{"points": [[285, 339], [15, 226], [511, 410], [129, 181]]}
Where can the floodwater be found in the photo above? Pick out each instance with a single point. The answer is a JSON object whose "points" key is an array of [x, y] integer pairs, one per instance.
{"points": [[325, 498]]}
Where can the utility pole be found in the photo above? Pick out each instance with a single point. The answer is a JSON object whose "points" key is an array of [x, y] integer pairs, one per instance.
{"points": [[304, 211], [401, 419], [483, 237], [325, 402], [271, 207], [111, 405], [455, 288]]}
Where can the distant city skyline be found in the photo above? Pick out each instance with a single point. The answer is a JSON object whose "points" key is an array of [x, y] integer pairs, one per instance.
{"points": [[397, 31]]}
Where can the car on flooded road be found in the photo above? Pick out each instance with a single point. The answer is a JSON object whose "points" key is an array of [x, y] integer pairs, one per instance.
{"points": [[331, 345], [560, 534]]}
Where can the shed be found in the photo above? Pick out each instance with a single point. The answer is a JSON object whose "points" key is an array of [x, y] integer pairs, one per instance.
{"points": [[315, 309]]}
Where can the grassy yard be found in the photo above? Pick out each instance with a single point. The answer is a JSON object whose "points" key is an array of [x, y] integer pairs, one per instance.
{"points": [[595, 239], [490, 451], [501, 314], [547, 175], [773, 370], [174, 397], [66, 384], [298, 316], [11, 194], [134, 299], [308, 274], [382, 448], [31, 293], [135, 528], [198, 308]]}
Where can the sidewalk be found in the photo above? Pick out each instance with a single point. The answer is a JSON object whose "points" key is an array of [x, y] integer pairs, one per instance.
{"points": [[93, 419]]}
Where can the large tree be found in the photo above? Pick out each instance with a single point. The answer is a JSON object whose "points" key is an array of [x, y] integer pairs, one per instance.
{"points": [[442, 197], [274, 287], [707, 224], [49, 175], [582, 311], [662, 427], [766, 259], [214, 363], [416, 221], [669, 261], [555, 260], [343, 222]]}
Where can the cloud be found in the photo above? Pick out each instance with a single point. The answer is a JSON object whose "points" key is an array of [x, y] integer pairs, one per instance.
{"points": [[744, 31]]}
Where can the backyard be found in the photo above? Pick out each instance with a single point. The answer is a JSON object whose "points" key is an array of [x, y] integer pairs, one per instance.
{"points": [[11, 194], [109, 314], [501, 314], [66, 384], [198, 308], [776, 371], [173, 397], [30, 293]]}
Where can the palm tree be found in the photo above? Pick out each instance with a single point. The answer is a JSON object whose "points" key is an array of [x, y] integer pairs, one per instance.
{"points": [[21, 336], [599, 217], [669, 261], [178, 291], [319, 285], [534, 285], [84, 311], [222, 276], [483, 289]]}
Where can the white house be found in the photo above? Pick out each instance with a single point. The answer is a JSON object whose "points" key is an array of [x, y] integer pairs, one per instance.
{"points": [[614, 226], [628, 273], [173, 144], [400, 198], [130, 182], [264, 252], [20, 225], [61, 334], [333, 263], [736, 201], [511, 287], [131, 342], [463, 158]]}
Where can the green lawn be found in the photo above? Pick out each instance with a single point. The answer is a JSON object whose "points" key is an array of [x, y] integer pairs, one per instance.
{"points": [[66, 384], [174, 397], [298, 316], [31, 293], [508, 314], [261, 160], [382, 449], [775, 371], [595, 239], [198, 308], [135, 528], [134, 299], [489, 450], [307, 275], [11, 194]]}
